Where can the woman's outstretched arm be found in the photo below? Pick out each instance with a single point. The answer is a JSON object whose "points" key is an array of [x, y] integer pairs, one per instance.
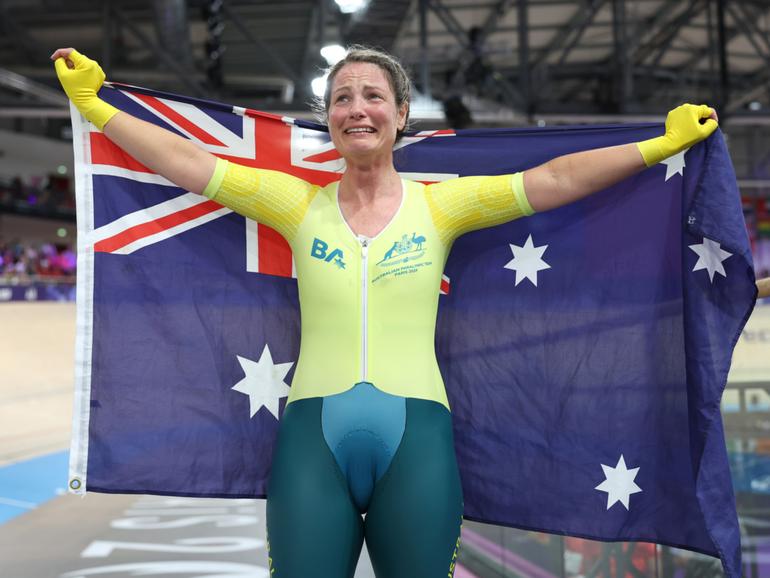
{"points": [[174, 157], [571, 177]]}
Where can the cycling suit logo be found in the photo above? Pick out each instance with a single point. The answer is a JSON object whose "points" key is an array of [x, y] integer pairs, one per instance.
{"points": [[404, 251], [320, 250], [403, 257]]}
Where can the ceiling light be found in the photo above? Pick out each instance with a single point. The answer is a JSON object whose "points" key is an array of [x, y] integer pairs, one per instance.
{"points": [[348, 6], [319, 85], [333, 53]]}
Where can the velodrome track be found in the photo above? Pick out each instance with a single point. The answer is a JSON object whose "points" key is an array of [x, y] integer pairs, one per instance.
{"points": [[47, 533]]}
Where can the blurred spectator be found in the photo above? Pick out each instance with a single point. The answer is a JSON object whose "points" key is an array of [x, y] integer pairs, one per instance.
{"points": [[37, 194], [45, 262]]}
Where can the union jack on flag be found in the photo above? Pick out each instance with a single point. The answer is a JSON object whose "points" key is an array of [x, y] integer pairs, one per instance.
{"points": [[584, 350], [287, 145]]}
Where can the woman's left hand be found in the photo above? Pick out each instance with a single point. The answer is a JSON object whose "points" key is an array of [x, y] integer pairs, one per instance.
{"points": [[689, 123], [685, 125]]}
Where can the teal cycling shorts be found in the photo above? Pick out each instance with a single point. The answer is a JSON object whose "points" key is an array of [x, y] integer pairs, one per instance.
{"points": [[360, 452]]}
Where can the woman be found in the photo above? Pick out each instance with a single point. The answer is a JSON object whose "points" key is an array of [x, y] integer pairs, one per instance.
{"points": [[367, 427]]}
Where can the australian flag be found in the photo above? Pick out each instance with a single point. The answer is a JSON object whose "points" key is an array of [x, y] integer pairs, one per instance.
{"points": [[584, 350]]}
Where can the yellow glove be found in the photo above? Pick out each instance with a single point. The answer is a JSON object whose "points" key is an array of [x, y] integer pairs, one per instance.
{"points": [[81, 84], [683, 129]]}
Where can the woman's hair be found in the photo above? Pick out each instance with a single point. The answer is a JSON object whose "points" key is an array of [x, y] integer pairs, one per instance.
{"points": [[397, 77]]}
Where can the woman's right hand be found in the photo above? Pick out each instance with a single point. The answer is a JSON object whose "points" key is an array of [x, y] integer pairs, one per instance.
{"points": [[162, 151], [81, 79]]}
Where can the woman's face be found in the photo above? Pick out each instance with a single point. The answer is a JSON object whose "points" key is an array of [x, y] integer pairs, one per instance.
{"points": [[363, 115]]}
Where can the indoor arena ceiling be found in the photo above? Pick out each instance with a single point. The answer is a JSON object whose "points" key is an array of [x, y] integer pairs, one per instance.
{"points": [[501, 61]]}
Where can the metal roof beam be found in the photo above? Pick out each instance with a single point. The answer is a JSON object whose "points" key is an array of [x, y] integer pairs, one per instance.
{"points": [[704, 52], [424, 60], [263, 46], [494, 18], [450, 22], [654, 24], [37, 90], [524, 66], [568, 35], [695, 7], [108, 29], [182, 73], [748, 28], [660, 42], [761, 80], [664, 31], [173, 29], [758, 89], [315, 40], [509, 92], [623, 66], [581, 22], [380, 20], [25, 46], [32, 112]]}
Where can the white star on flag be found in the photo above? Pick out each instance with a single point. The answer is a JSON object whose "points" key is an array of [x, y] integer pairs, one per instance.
{"points": [[619, 483], [263, 382], [675, 164], [527, 261], [710, 257]]}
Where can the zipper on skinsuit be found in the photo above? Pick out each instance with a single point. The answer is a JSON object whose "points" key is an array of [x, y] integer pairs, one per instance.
{"points": [[365, 304]]}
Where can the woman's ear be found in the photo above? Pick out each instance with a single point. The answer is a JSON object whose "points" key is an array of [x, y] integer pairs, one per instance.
{"points": [[402, 114]]}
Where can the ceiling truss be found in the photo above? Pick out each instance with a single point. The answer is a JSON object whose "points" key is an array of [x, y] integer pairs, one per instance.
{"points": [[576, 57]]}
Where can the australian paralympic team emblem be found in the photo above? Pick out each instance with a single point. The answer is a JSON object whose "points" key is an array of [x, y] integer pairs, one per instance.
{"points": [[403, 257], [404, 251]]}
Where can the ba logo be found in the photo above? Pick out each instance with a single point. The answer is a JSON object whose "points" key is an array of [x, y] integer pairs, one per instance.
{"points": [[320, 250]]}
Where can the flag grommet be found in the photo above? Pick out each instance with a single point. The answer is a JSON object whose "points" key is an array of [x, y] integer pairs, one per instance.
{"points": [[75, 484]]}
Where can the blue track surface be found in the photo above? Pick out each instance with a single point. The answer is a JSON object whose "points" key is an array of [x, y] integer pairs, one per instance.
{"points": [[750, 472], [26, 485]]}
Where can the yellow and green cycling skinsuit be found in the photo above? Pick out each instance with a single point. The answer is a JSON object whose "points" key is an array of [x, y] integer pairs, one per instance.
{"points": [[367, 418]]}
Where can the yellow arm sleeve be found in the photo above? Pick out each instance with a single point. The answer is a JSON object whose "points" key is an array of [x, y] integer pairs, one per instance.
{"points": [[469, 203], [274, 198]]}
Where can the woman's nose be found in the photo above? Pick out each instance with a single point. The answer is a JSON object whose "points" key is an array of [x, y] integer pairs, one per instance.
{"points": [[356, 108]]}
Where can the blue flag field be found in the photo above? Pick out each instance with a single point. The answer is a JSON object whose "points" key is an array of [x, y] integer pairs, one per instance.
{"points": [[584, 350]]}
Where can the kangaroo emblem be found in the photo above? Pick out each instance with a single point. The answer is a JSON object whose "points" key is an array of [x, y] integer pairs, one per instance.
{"points": [[389, 252]]}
